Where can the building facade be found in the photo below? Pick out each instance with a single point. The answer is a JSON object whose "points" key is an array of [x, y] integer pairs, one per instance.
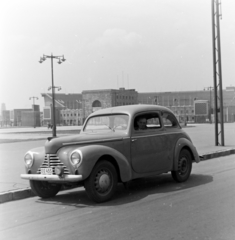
{"points": [[67, 109], [71, 117], [183, 103], [73, 109], [94, 100]]}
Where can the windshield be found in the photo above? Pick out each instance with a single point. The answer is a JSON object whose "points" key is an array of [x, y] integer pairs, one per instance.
{"points": [[115, 122]]}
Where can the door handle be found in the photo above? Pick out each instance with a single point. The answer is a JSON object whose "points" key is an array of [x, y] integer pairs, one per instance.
{"points": [[133, 139]]}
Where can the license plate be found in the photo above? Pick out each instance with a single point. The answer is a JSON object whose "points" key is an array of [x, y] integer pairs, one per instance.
{"points": [[46, 171]]}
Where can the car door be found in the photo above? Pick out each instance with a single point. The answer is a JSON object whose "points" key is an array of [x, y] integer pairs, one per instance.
{"points": [[149, 148]]}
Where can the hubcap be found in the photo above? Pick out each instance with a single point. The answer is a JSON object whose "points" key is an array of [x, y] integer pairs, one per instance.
{"points": [[183, 166], [103, 182]]}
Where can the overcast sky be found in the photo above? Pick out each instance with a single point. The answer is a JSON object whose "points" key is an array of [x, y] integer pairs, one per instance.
{"points": [[161, 45]]}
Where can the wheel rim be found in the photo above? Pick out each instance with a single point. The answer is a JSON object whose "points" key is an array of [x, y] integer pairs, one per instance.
{"points": [[183, 166], [103, 182]]}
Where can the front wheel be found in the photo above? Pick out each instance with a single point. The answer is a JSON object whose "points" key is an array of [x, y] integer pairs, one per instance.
{"points": [[184, 167], [102, 182], [44, 189]]}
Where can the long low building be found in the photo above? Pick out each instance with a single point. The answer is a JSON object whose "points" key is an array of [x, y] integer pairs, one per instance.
{"points": [[191, 106]]}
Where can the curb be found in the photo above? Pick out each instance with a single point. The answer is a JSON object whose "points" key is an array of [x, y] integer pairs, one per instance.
{"points": [[16, 195], [26, 193], [217, 154]]}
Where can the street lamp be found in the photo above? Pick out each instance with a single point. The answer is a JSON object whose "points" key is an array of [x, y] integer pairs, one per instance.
{"points": [[61, 59], [33, 110]]}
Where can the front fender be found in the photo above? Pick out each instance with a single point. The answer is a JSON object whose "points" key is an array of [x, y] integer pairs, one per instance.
{"points": [[39, 156], [184, 143], [92, 153]]}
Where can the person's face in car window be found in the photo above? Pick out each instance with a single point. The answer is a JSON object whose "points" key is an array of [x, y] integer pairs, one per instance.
{"points": [[142, 123]]}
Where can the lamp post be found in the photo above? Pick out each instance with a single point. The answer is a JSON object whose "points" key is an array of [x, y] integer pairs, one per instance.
{"points": [[33, 110], [61, 59]]}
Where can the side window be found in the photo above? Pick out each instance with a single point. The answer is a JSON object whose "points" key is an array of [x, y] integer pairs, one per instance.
{"points": [[154, 122], [148, 121], [169, 120]]}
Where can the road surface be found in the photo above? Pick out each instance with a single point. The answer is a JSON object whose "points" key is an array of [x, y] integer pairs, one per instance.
{"points": [[202, 208]]}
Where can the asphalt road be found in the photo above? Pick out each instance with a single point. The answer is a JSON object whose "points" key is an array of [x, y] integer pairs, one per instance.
{"points": [[152, 208]]}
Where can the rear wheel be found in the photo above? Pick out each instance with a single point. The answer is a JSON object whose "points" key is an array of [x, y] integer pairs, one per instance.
{"points": [[184, 167], [102, 182], [44, 189]]}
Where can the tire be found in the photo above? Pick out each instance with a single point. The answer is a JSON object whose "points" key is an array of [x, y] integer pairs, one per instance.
{"points": [[102, 182], [184, 167], [44, 189]]}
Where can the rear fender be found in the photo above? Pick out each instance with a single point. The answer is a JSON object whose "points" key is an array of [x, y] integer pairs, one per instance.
{"points": [[184, 143]]}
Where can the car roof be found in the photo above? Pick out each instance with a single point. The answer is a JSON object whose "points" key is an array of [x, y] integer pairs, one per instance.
{"points": [[130, 109]]}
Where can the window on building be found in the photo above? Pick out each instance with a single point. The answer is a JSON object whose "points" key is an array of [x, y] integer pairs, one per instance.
{"points": [[96, 103]]}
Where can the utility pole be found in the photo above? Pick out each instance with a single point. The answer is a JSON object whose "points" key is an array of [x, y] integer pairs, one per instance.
{"points": [[217, 73]]}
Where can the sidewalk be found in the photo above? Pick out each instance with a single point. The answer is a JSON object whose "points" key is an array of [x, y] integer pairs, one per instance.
{"points": [[14, 187]]}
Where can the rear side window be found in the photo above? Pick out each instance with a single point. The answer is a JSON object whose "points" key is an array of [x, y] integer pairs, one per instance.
{"points": [[169, 120]]}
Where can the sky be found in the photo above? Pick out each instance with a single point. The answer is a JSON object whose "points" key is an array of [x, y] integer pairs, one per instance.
{"points": [[150, 46]]}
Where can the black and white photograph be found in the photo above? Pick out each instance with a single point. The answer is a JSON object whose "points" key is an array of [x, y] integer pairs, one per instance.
{"points": [[117, 119]]}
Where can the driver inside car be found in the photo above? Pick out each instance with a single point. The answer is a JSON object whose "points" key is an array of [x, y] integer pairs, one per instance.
{"points": [[141, 123]]}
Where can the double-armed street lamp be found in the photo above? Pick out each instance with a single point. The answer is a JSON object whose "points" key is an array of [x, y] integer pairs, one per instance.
{"points": [[52, 87], [34, 123]]}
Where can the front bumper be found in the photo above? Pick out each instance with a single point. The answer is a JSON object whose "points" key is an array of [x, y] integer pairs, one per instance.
{"points": [[52, 178]]}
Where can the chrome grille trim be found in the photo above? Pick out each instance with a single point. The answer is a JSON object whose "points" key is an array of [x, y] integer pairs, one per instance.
{"points": [[52, 161]]}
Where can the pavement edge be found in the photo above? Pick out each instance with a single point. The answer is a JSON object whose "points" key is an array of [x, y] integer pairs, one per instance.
{"points": [[26, 193], [16, 195]]}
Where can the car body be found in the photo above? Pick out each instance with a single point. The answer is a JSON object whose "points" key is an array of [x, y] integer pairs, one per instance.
{"points": [[110, 149]]}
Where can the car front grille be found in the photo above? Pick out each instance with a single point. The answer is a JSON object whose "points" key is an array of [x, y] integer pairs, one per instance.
{"points": [[52, 161]]}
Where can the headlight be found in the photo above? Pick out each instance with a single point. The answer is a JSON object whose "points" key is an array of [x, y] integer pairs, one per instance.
{"points": [[28, 158], [76, 158]]}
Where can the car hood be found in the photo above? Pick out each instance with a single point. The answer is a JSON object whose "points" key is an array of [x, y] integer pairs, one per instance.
{"points": [[54, 144]]}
